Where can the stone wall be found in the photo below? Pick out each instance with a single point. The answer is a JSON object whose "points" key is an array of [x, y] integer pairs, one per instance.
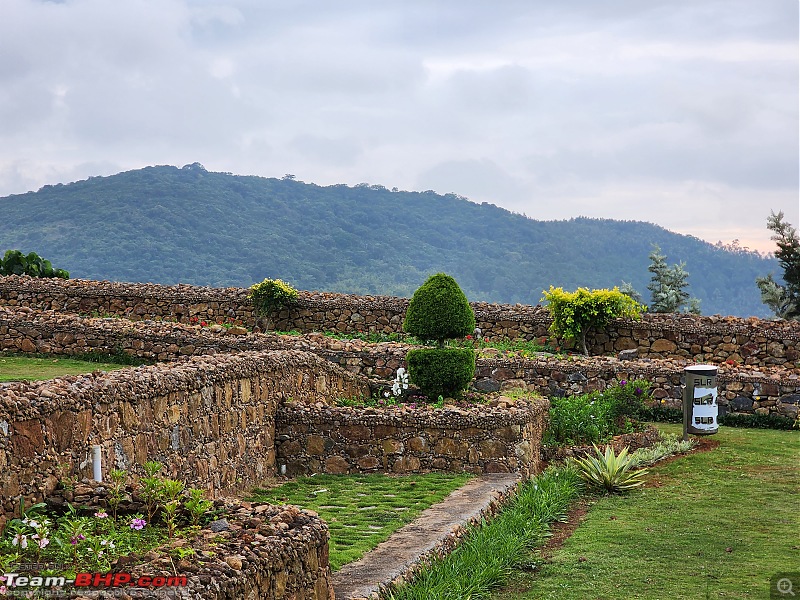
{"points": [[253, 550], [502, 438], [745, 389], [753, 342], [209, 419]]}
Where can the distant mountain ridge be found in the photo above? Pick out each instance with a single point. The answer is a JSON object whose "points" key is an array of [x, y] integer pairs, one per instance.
{"points": [[169, 225]]}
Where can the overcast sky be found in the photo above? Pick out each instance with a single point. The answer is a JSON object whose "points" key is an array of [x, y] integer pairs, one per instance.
{"points": [[679, 112]]}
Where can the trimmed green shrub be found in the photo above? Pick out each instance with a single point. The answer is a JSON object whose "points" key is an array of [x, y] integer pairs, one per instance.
{"points": [[661, 414], [16, 263], [272, 295], [770, 421], [439, 310], [441, 371]]}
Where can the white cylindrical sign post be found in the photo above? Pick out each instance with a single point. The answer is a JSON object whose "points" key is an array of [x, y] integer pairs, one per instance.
{"points": [[700, 408]]}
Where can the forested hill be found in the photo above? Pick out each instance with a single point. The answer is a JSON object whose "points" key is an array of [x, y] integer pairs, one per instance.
{"points": [[187, 225]]}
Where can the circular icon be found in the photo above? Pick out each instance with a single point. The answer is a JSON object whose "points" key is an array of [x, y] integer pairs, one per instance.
{"points": [[784, 586]]}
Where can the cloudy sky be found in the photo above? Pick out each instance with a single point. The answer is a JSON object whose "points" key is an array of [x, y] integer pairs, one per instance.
{"points": [[679, 112]]}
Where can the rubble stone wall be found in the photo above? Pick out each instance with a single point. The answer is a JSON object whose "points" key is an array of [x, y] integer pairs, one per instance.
{"points": [[210, 420], [713, 339], [743, 388], [325, 439]]}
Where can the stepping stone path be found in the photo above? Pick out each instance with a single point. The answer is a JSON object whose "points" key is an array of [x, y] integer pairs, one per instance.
{"points": [[437, 528]]}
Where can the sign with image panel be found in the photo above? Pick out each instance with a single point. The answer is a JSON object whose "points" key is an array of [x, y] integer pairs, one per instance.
{"points": [[700, 409]]}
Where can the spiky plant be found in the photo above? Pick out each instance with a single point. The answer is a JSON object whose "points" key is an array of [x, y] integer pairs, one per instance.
{"points": [[610, 472]]}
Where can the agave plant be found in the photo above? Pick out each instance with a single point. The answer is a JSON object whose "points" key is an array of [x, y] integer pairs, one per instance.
{"points": [[610, 472]]}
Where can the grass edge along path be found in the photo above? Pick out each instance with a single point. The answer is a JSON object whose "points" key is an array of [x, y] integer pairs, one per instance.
{"points": [[716, 524], [362, 510], [488, 553]]}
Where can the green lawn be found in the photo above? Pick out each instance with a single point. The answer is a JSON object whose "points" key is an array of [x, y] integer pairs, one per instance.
{"points": [[363, 510], [23, 368], [714, 524]]}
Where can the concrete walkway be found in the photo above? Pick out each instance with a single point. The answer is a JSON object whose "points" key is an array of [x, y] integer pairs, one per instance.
{"points": [[436, 531]]}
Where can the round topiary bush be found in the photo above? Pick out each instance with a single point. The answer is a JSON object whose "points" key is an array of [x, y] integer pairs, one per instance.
{"points": [[439, 310], [441, 371]]}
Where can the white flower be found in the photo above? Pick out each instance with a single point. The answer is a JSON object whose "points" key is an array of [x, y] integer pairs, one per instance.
{"points": [[20, 540]]}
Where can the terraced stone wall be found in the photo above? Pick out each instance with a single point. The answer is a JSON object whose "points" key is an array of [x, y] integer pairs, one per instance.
{"points": [[752, 342], [743, 389], [209, 419], [502, 438]]}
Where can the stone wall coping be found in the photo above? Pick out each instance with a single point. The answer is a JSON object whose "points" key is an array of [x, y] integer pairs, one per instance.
{"points": [[422, 416]]}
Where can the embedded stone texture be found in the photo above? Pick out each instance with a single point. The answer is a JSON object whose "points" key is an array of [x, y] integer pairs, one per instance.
{"points": [[699, 338], [209, 419], [267, 552], [503, 437]]}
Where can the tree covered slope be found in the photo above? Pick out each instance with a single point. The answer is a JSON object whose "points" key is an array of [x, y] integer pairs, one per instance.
{"points": [[187, 225]]}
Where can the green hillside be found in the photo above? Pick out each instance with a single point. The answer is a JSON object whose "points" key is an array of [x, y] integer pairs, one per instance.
{"points": [[187, 225]]}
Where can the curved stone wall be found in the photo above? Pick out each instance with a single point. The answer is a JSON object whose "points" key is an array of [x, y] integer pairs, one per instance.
{"points": [[502, 438]]}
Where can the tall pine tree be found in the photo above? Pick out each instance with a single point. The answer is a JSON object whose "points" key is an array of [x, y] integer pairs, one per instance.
{"points": [[783, 300]]}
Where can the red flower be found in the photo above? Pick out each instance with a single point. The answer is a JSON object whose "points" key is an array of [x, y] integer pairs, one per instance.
{"points": [[469, 337], [203, 324]]}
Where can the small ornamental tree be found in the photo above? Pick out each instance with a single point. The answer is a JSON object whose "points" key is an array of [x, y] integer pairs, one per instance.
{"points": [[667, 286], [575, 313], [272, 295], [438, 311], [16, 263]]}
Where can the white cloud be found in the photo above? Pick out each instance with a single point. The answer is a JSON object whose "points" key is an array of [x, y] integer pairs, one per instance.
{"points": [[622, 109]]}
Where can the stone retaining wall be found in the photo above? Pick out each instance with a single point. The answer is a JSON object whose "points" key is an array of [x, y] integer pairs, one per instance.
{"points": [[742, 389], [209, 419], [502, 438], [255, 550], [750, 341]]}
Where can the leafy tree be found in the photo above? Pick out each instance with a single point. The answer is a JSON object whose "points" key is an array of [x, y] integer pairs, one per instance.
{"points": [[667, 286], [576, 313], [439, 310], [783, 300], [16, 263]]}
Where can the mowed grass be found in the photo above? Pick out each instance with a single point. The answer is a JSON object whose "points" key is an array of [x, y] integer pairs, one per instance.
{"points": [[23, 368], [715, 524], [363, 510]]}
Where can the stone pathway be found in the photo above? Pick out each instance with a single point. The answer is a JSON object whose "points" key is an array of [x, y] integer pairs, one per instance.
{"points": [[436, 530]]}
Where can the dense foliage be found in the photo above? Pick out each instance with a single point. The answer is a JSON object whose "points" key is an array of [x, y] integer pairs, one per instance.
{"points": [[597, 416], [272, 295], [575, 313], [441, 371], [439, 310], [16, 263], [170, 225], [783, 300]]}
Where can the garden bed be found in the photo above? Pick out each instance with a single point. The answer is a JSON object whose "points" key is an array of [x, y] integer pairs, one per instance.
{"points": [[638, 439]]}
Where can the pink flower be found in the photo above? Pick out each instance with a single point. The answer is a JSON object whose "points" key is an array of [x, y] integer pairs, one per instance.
{"points": [[101, 514], [138, 524]]}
